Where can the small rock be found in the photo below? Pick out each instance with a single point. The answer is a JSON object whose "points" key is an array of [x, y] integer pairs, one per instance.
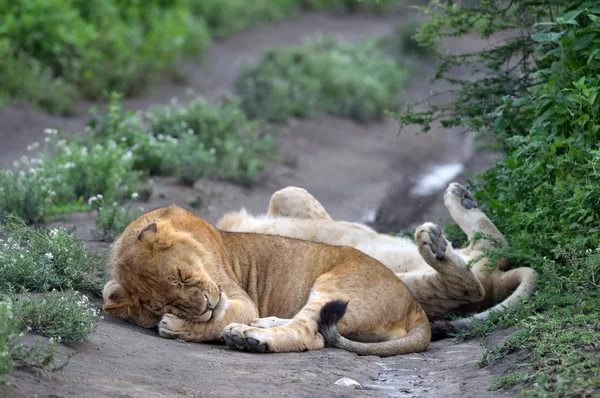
{"points": [[348, 382]]}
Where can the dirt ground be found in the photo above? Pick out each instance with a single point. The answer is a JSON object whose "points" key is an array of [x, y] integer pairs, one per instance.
{"points": [[359, 172]]}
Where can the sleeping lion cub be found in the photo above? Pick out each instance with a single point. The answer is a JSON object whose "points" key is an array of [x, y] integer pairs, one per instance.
{"points": [[261, 293], [435, 273]]}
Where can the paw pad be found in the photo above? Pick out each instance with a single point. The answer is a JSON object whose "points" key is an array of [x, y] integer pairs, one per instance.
{"points": [[237, 342], [438, 242], [466, 200]]}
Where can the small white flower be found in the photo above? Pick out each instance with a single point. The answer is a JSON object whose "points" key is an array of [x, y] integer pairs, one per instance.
{"points": [[135, 196], [33, 146], [49, 256]]}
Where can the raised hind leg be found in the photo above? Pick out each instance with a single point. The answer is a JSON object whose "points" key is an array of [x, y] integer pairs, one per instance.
{"points": [[296, 202], [465, 212], [453, 284]]}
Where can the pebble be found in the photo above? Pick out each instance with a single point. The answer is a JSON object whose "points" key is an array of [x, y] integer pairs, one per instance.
{"points": [[348, 382]]}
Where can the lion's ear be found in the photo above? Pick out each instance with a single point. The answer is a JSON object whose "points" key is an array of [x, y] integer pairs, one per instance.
{"points": [[148, 234], [157, 235]]}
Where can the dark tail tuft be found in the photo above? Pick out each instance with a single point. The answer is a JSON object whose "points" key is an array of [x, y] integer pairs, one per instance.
{"points": [[331, 313], [441, 329]]}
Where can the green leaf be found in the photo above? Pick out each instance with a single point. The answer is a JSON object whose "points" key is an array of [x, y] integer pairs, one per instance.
{"points": [[583, 42], [570, 16], [546, 37]]}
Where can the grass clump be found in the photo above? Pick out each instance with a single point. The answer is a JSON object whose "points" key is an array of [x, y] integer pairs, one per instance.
{"points": [[225, 17], [62, 317], [8, 338], [113, 217], [92, 46], [54, 51], [375, 6], [350, 80], [64, 173], [68, 317], [38, 261], [189, 141], [543, 195]]}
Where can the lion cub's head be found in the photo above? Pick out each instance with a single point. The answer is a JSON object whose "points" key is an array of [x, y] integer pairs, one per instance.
{"points": [[164, 262]]}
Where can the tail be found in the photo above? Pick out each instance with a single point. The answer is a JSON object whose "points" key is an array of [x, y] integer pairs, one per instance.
{"points": [[525, 278], [417, 340]]}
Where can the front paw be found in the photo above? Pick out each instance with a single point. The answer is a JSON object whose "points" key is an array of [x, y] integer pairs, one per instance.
{"points": [[242, 337], [173, 327]]}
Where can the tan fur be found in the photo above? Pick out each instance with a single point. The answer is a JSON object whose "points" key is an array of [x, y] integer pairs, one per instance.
{"points": [[259, 292], [442, 284]]}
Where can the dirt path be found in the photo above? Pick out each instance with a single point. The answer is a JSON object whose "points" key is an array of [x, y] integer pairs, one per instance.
{"points": [[350, 168]]}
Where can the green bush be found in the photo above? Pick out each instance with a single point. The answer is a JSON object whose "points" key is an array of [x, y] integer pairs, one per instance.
{"points": [[28, 191], [8, 338], [23, 78], [189, 141], [88, 170], [225, 17], [355, 81], [64, 173], [378, 6], [38, 261], [113, 217], [544, 195], [97, 46], [52, 51], [68, 317]]}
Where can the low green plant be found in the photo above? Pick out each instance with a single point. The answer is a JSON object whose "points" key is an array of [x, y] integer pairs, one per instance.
{"points": [[537, 93], [23, 78], [351, 80], [38, 261], [68, 317], [8, 337], [67, 172], [29, 190], [225, 17], [377, 6], [93, 46], [113, 217], [509, 380], [189, 140], [90, 169]]}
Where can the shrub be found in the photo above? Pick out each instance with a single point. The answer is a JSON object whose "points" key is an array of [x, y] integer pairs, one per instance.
{"points": [[68, 317], [113, 217], [66, 172], [225, 17], [189, 141], [28, 191], [8, 337], [88, 170], [23, 78], [32, 260], [538, 95], [95, 45], [355, 81], [378, 6]]}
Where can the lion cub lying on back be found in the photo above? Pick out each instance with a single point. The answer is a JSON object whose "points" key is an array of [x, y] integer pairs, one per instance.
{"points": [[260, 293], [435, 273]]}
